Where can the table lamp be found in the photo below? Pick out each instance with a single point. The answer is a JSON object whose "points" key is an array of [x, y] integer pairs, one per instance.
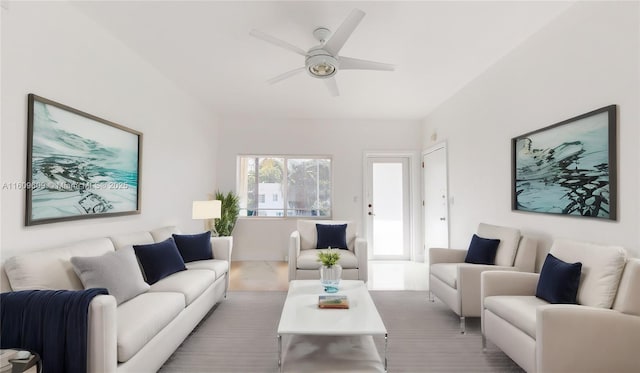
{"points": [[207, 210]]}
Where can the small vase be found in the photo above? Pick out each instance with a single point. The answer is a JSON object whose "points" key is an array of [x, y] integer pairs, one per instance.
{"points": [[330, 276]]}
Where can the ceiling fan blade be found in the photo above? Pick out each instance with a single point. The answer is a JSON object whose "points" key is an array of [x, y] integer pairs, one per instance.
{"points": [[337, 40], [332, 86], [275, 41], [347, 63], [286, 75]]}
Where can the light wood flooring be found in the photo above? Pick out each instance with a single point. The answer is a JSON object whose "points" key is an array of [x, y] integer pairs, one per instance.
{"points": [[273, 276]]}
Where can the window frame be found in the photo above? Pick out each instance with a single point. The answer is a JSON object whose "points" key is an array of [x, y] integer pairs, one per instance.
{"points": [[285, 177]]}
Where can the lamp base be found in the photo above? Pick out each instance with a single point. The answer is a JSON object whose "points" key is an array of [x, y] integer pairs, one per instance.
{"points": [[214, 232]]}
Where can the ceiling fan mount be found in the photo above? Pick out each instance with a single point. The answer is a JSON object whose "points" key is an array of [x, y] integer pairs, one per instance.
{"points": [[323, 61], [322, 34]]}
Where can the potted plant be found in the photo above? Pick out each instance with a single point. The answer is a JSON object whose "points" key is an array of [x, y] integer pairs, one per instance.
{"points": [[330, 270], [228, 214]]}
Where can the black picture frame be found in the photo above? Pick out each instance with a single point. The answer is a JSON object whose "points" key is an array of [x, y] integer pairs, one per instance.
{"points": [[568, 168], [79, 166]]}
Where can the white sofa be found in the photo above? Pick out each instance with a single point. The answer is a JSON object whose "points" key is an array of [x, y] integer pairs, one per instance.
{"points": [[303, 264], [457, 284], [599, 334], [140, 334]]}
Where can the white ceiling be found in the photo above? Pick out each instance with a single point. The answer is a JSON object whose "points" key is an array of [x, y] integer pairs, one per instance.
{"points": [[437, 47]]}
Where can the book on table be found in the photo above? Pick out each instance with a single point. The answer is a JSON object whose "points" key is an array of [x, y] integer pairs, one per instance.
{"points": [[333, 301]]}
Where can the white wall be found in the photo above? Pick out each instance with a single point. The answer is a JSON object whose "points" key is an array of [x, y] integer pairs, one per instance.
{"points": [[344, 140], [54, 51], [585, 59]]}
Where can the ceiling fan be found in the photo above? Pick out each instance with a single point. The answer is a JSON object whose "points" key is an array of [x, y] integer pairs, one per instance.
{"points": [[323, 61]]}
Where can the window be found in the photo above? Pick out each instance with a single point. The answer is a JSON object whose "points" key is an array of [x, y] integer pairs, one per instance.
{"points": [[299, 186]]}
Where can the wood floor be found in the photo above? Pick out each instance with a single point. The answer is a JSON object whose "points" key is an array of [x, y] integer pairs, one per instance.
{"points": [[273, 276]]}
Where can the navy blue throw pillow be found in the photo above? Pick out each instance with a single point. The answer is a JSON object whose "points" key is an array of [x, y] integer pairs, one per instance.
{"points": [[332, 235], [482, 250], [194, 247], [559, 281], [159, 260]]}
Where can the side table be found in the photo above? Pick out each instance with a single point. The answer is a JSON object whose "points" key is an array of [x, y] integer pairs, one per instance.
{"points": [[10, 364]]}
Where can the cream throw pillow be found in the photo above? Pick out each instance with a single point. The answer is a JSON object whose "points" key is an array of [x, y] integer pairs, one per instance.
{"points": [[117, 271]]}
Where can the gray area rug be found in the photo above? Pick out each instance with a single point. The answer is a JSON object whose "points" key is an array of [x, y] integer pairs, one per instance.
{"points": [[240, 336]]}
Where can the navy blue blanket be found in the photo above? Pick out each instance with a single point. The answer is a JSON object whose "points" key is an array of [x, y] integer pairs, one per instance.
{"points": [[52, 323]]}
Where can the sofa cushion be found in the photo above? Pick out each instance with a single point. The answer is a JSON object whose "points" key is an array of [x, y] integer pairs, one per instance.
{"points": [[161, 234], [518, 310], [559, 280], [130, 239], [142, 317], [117, 271], [51, 269], [331, 235], [628, 296], [446, 272], [482, 250], [308, 259], [601, 269], [509, 240], [219, 267], [159, 260], [309, 235], [194, 247], [191, 283]]}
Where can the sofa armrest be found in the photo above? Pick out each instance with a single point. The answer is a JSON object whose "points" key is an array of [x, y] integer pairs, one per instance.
{"points": [[102, 340], [222, 248], [361, 252], [469, 285], [294, 251], [508, 283], [441, 255], [586, 339]]}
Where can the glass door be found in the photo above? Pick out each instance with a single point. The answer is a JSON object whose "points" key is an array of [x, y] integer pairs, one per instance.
{"points": [[387, 208]]}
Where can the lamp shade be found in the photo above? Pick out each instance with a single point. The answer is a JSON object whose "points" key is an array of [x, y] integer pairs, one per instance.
{"points": [[207, 209]]}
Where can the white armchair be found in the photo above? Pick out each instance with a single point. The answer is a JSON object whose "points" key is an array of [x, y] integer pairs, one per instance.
{"points": [[599, 334], [457, 284], [303, 264]]}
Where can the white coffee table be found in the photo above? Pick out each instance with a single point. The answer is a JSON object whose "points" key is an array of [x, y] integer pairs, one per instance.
{"points": [[325, 336]]}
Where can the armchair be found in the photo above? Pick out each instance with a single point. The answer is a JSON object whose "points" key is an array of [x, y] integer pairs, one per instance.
{"points": [[457, 284], [303, 264], [599, 334]]}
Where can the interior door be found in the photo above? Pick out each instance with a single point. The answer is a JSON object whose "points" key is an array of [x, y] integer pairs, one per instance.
{"points": [[387, 208], [435, 198]]}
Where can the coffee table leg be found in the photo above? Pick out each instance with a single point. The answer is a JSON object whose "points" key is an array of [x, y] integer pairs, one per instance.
{"points": [[385, 351], [280, 352]]}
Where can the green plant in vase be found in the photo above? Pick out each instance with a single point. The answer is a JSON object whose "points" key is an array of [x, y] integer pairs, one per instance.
{"points": [[229, 212], [330, 270]]}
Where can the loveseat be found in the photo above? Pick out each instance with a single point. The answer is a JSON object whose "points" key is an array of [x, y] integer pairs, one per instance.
{"points": [[601, 333], [139, 334], [457, 283], [303, 256]]}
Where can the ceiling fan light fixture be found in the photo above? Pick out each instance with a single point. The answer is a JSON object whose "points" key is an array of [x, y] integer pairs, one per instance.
{"points": [[322, 69], [322, 66]]}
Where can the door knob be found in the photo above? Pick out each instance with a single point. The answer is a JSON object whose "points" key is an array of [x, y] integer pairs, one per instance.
{"points": [[371, 213], [443, 219]]}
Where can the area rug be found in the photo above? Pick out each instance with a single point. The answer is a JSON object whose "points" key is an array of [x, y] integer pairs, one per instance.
{"points": [[240, 336]]}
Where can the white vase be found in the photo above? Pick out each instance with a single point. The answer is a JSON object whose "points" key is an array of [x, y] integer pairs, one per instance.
{"points": [[330, 276]]}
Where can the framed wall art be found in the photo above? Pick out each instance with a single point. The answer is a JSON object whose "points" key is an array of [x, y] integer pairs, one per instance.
{"points": [[78, 165], [568, 168]]}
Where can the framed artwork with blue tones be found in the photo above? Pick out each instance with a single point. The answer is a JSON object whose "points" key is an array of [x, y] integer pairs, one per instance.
{"points": [[78, 165], [568, 168]]}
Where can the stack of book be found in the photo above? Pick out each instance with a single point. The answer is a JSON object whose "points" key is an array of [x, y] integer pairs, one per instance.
{"points": [[333, 301]]}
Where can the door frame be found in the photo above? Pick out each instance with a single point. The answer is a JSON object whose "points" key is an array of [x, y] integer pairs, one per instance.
{"points": [[410, 156], [440, 145]]}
